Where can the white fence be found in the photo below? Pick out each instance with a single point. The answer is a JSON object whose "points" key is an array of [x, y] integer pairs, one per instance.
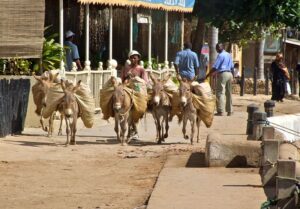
{"points": [[95, 79]]}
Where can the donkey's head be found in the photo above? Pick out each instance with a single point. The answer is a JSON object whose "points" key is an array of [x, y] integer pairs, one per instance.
{"points": [[158, 89], [185, 91], [119, 95], [69, 99]]}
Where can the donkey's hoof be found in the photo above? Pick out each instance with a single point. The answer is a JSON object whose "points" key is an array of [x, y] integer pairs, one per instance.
{"points": [[186, 137], [166, 136], [72, 143], [124, 144], [59, 133], [159, 141]]}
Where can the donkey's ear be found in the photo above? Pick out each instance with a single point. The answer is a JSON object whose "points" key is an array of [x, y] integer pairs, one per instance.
{"points": [[38, 78], [179, 77], [63, 85], [153, 78], [76, 87], [55, 76], [167, 78], [113, 80]]}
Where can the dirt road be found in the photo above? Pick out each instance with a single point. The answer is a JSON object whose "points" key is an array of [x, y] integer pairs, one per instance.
{"points": [[41, 173]]}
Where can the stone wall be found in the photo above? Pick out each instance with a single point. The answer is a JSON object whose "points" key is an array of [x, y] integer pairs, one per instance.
{"points": [[249, 87]]}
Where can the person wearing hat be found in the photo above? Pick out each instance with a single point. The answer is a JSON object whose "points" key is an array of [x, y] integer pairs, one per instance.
{"points": [[72, 54], [133, 68]]}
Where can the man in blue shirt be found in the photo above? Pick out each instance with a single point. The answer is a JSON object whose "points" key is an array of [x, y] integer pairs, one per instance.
{"points": [[72, 54], [223, 67], [186, 63]]}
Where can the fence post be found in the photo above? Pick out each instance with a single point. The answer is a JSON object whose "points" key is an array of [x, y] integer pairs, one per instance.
{"points": [[269, 106], [255, 81], [250, 109], [242, 84], [267, 82]]}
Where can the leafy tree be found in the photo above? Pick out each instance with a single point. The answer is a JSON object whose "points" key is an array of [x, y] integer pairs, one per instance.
{"points": [[242, 20]]}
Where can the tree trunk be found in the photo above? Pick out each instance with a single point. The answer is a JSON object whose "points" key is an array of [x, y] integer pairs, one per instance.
{"points": [[260, 62], [213, 40], [198, 39]]}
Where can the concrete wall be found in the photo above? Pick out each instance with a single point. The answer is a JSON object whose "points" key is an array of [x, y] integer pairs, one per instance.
{"points": [[284, 124]]}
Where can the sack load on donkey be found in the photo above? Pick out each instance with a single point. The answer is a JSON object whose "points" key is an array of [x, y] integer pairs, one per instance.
{"points": [[83, 97], [202, 99], [135, 88], [125, 104]]}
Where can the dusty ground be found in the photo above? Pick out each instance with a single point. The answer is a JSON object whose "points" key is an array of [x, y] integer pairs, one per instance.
{"points": [[40, 173]]}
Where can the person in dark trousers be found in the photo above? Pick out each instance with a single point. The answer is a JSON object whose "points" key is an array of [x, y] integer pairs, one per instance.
{"points": [[187, 63], [279, 78]]}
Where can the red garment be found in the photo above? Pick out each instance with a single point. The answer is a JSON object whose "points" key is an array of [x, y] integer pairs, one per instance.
{"points": [[135, 71]]}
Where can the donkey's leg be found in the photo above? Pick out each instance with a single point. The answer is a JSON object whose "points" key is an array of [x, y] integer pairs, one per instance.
{"points": [[167, 124], [73, 131], [198, 128], [192, 129], [60, 125], [51, 126], [185, 136], [42, 122], [155, 122], [159, 129], [67, 129], [117, 128], [123, 125]]}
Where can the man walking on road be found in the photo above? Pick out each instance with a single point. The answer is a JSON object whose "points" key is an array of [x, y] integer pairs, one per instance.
{"points": [[223, 67], [186, 63]]}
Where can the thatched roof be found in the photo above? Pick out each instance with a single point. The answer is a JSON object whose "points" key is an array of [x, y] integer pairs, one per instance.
{"points": [[167, 5], [21, 28]]}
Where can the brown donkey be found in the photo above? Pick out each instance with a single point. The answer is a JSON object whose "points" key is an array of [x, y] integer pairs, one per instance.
{"points": [[40, 91], [122, 104], [69, 108], [161, 107], [189, 112]]}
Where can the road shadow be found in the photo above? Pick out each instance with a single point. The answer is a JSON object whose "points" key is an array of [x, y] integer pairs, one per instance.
{"points": [[196, 160], [33, 144], [243, 185]]}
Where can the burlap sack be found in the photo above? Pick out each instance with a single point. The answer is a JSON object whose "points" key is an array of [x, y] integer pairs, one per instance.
{"points": [[86, 104], [138, 84], [139, 104], [83, 97], [106, 102]]}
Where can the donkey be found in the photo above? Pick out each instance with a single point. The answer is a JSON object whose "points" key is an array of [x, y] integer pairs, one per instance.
{"points": [[189, 112], [122, 104], [40, 91], [69, 108], [161, 108]]}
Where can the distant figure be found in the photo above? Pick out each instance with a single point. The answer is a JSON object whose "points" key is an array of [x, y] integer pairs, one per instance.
{"points": [[236, 70], [186, 63], [223, 67], [72, 54], [280, 76]]}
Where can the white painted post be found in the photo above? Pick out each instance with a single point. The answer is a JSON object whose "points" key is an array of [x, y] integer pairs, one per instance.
{"points": [[100, 68], [110, 31], [87, 32], [87, 63], [150, 43], [61, 33], [182, 30], [130, 29], [166, 39]]}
